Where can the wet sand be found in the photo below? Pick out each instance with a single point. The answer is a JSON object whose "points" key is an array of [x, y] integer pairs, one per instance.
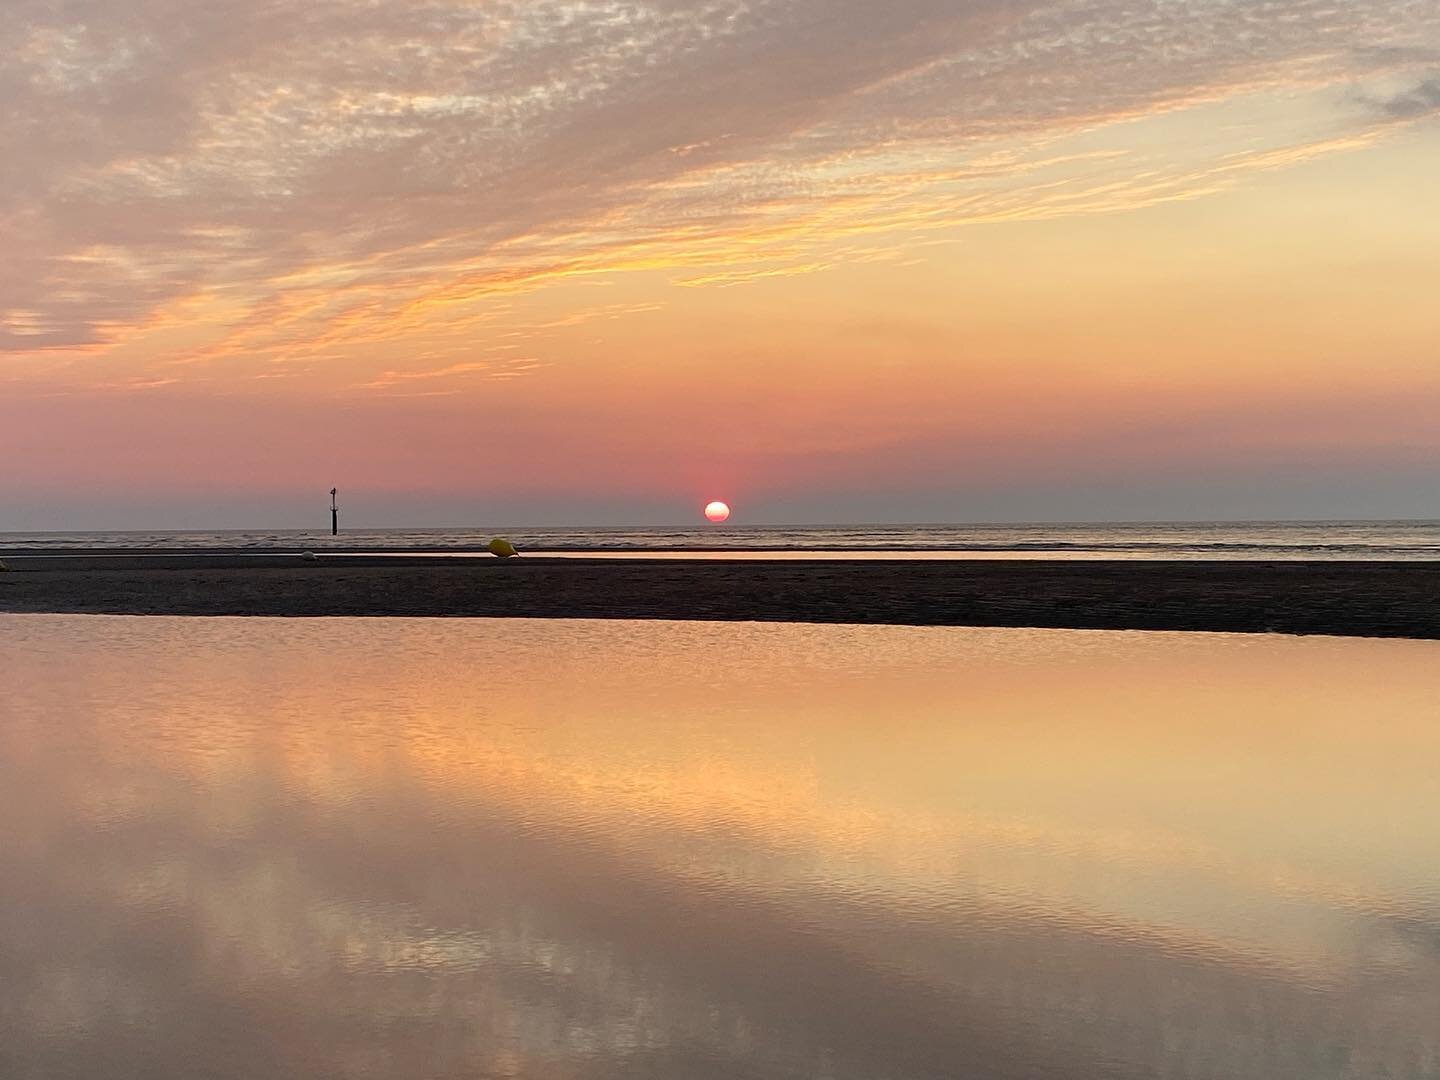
{"points": [[1366, 599]]}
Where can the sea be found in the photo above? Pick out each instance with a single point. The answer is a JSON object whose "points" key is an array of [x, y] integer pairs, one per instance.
{"points": [[1260, 540]]}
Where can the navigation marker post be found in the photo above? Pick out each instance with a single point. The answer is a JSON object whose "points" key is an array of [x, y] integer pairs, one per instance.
{"points": [[334, 515]]}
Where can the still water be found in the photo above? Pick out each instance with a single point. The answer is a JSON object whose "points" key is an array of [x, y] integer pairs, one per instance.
{"points": [[409, 849]]}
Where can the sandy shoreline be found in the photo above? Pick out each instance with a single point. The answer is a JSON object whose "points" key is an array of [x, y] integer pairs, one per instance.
{"points": [[1342, 598]]}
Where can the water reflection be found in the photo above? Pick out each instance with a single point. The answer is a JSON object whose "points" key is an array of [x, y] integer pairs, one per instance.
{"points": [[385, 848]]}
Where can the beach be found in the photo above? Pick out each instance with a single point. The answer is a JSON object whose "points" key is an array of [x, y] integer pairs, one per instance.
{"points": [[1362, 599]]}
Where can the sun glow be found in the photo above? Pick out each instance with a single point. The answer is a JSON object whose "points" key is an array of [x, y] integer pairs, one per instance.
{"points": [[717, 512]]}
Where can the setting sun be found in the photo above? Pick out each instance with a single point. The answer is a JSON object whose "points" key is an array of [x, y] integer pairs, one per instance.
{"points": [[717, 512]]}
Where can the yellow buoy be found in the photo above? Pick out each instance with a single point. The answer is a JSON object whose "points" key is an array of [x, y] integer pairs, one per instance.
{"points": [[502, 548]]}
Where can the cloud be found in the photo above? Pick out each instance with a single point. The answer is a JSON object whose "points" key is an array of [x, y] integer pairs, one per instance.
{"points": [[1419, 101], [333, 173], [496, 369]]}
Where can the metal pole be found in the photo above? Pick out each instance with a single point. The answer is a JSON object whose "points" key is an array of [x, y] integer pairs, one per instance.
{"points": [[334, 515]]}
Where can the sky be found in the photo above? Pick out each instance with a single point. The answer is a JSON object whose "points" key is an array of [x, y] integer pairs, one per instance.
{"points": [[492, 261]]}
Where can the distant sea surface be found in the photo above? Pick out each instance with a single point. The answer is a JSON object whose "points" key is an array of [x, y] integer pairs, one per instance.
{"points": [[1368, 540]]}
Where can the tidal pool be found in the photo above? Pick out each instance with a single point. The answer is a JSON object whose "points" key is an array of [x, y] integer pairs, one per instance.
{"points": [[408, 849]]}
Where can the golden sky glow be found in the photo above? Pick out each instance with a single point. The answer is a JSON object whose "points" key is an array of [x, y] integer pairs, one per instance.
{"points": [[598, 261]]}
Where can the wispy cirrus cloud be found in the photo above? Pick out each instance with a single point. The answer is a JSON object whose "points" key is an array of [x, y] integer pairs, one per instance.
{"points": [[493, 369], [342, 172]]}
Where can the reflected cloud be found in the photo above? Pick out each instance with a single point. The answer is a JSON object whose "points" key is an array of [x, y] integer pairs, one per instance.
{"points": [[425, 847]]}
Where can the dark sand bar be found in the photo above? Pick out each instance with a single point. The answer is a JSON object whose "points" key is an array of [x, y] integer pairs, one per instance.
{"points": [[1369, 599]]}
